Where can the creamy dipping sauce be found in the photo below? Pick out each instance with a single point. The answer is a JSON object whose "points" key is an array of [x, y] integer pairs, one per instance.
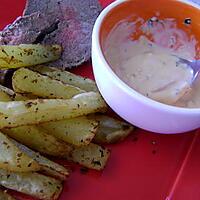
{"points": [[153, 68]]}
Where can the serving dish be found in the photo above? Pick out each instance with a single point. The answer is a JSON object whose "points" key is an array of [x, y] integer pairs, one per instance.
{"points": [[125, 101]]}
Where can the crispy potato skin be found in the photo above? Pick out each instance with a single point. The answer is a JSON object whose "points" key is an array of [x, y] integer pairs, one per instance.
{"points": [[12, 159], [29, 82], [39, 140], [67, 77], [25, 55], [33, 184], [20, 113], [48, 167], [110, 129], [76, 131], [91, 156]]}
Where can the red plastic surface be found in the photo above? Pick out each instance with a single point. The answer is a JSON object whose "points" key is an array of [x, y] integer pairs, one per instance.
{"points": [[147, 166]]}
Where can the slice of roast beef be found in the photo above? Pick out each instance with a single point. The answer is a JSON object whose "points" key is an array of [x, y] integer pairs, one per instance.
{"points": [[76, 19], [65, 22], [24, 29]]}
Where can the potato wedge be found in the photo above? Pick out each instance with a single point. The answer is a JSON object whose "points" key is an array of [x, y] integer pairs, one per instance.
{"points": [[6, 94], [5, 196], [35, 137], [27, 81], [4, 97], [38, 139], [24, 97], [111, 130], [19, 113], [33, 184], [48, 167], [11, 158], [67, 77], [25, 55], [77, 131], [91, 156]]}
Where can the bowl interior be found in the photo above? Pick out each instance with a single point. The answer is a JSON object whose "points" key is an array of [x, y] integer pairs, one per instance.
{"points": [[130, 10]]}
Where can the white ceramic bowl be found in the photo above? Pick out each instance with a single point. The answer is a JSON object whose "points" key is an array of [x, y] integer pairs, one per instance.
{"points": [[128, 103]]}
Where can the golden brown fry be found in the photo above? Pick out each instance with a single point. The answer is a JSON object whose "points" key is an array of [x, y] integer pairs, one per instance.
{"points": [[30, 82], [6, 94], [77, 131], [19, 113], [11, 158], [111, 130], [48, 167], [33, 184], [25, 55], [38, 139], [67, 77], [24, 97], [91, 156]]}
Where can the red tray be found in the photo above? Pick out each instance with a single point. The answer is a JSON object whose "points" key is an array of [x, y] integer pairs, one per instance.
{"points": [[147, 166]]}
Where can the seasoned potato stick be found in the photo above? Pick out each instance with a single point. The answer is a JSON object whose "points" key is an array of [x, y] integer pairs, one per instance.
{"points": [[11, 158], [6, 94], [111, 130], [38, 139], [33, 184], [27, 81], [77, 131], [91, 156], [47, 166], [67, 77], [25, 55], [5, 196], [19, 113], [24, 97]]}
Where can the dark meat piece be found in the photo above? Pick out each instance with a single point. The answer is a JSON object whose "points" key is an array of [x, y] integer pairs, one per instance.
{"points": [[24, 29], [76, 19], [65, 22]]}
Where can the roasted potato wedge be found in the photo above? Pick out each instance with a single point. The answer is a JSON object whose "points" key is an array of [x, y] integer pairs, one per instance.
{"points": [[5, 196], [38, 139], [48, 167], [4, 97], [77, 131], [27, 81], [91, 156], [6, 94], [24, 97], [12, 159], [33, 184], [25, 55], [67, 77], [111, 130], [19, 113]]}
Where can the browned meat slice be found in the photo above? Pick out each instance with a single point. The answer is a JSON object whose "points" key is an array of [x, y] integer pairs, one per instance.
{"points": [[65, 22], [24, 29], [76, 20]]}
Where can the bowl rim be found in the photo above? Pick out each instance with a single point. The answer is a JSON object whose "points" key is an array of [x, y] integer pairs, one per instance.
{"points": [[121, 84]]}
